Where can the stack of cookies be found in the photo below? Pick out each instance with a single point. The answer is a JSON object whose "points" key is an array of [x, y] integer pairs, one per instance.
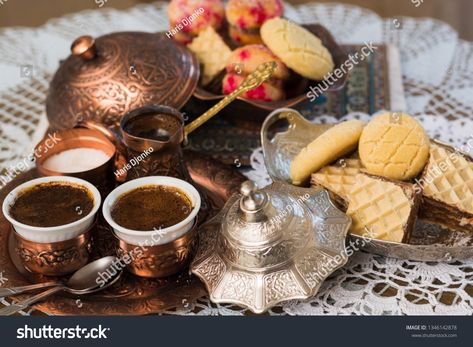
{"points": [[295, 50], [258, 35], [392, 176]]}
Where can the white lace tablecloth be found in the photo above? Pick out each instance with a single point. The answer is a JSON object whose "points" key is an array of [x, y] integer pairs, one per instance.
{"points": [[437, 72]]}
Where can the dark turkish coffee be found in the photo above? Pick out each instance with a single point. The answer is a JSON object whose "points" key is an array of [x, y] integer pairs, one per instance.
{"points": [[151, 207], [52, 204], [159, 127]]}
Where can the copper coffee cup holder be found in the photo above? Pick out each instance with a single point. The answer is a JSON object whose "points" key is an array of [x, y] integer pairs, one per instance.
{"points": [[160, 260], [54, 258]]}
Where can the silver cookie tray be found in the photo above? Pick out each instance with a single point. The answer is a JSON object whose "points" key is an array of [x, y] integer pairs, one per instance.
{"points": [[427, 243]]}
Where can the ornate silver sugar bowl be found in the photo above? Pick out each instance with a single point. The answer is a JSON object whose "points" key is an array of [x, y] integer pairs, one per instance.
{"points": [[271, 245]]}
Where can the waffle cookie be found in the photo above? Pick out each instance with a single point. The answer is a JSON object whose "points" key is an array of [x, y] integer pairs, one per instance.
{"points": [[383, 209], [212, 53], [338, 179], [447, 183]]}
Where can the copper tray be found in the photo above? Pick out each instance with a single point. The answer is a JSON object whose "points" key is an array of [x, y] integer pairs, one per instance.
{"points": [[131, 295]]}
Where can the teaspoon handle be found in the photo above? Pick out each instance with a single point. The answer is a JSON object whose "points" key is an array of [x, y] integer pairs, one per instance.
{"points": [[16, 307], [253, 80], [22, 289]]}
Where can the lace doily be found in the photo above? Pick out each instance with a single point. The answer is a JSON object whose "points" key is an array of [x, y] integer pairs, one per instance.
{"points": [[438, 82]]}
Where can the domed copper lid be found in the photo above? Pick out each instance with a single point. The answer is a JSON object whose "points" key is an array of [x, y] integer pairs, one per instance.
{"points": [[107, 77]]}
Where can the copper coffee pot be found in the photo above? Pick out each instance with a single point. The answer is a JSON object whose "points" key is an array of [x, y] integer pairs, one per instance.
{"points": [[148, 141], [149, 138], [134, 77]]}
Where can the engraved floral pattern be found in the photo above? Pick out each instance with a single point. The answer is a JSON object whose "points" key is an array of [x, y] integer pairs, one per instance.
{"points": [[211, 271], [126, 74], [239, 286], [54, 259], [315, 260], [163, 260], [281, 285], [207, 237]]}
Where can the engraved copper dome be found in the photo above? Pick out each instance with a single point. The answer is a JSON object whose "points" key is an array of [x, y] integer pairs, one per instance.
{"points": [[107, 77]]}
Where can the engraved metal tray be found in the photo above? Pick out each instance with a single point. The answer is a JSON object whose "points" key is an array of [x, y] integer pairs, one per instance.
{"points": [[130, 295], [427, 243]]}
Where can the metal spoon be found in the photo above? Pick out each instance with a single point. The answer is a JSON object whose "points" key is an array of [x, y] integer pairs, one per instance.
{"points": [[83, 281], [23, 289], [253, 80]]}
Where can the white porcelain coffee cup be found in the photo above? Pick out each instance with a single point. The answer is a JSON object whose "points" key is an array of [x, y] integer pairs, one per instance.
{"points": [[56, 233], [152, 237]]}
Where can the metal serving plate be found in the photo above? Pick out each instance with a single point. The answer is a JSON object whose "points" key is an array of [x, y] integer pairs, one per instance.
{"points": [[131, 295], [427, 243]]}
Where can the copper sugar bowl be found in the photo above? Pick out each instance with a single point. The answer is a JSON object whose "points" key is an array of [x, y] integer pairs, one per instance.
{"points": [[107, 77], [101, 176]]}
